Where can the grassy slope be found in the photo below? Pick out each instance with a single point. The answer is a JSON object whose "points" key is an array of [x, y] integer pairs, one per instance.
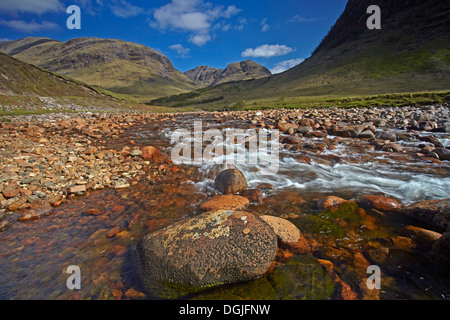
{"points": [[411, 53], [22, 84], [114, 65]]}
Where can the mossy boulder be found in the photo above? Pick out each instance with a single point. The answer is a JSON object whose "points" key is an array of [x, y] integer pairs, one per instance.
{"points": [[213, 248]]}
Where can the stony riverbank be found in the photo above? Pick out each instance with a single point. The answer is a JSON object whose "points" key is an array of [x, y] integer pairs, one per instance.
{"points": [[118, 171]]}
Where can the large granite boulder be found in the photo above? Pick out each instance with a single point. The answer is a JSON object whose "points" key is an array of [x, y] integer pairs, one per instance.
{"points": [[213, 248]]}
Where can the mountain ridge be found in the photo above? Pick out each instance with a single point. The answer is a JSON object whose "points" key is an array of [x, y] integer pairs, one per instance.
{"points": [[243, 70], [115, 65]]}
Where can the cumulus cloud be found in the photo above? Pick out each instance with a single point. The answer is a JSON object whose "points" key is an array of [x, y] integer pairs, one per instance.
{"points": [[182, 51], [29, 27], [267, 51], [123, 9], [193, 16], [286, 65], [200, 39], [31, 6]]}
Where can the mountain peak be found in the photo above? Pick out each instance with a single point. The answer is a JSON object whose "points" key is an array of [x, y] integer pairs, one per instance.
{"points": [[236, 71]]}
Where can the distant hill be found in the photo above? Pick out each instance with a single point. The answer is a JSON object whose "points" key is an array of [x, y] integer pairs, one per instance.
{"points": [[244, 70], [410, 53], [115, 65], [20, 78]]}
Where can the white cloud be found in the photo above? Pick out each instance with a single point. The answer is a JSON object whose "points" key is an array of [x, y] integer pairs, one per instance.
{"points": [[30, 6], [298, 18], [123, 9], [200, 39], [286, 65], [182, 51], [264, 25], [193, 16], [231, 11], [267, 51], [30, 27]]}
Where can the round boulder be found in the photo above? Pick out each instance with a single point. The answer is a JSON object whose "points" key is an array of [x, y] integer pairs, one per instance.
{"points": [[230, 181], [285, 230], [226, 202], [213, 248]]}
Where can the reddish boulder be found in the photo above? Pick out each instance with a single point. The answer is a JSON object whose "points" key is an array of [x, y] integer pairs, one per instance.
{"points": [[225, 202], [330, 202], [380, 203]]}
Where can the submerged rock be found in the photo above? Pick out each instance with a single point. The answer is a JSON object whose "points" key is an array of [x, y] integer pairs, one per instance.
{"points": [[441, 248], [380, 203], [432, 212], [213, 248]]}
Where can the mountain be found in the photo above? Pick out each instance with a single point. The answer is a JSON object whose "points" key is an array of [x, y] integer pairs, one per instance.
{"points": [[411, 53], [203, 75], [244, 70], [115, 65], [20, 78]]}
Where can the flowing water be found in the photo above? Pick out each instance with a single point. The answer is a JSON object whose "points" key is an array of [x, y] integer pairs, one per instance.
{"points": [[35, 255]]}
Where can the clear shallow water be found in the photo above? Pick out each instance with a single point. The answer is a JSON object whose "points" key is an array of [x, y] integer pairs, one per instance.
{"points": [[36, 254]]}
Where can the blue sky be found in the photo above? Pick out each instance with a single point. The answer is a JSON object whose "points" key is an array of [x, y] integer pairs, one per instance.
{"points": [[277, 34]]}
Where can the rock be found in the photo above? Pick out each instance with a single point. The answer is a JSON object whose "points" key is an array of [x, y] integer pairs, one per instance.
{"points": [[284, 127], [285, 230], [366, 134], [267, 188], [432, 140], [136, 153], [225, 202], [330, 202], [93, 212], [149, 152], [443, 154], [77, 189], [253, 195], [17, 204], [4, 225], [432, 212], [380, 203], [213, 248], [423, 234], [392, 147], [230, 181], [441, 248], [291, 140], [386, 135], [11, 193], [27, 216]]}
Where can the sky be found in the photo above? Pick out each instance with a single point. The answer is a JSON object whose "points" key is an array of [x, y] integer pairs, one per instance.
{"points": [[277, 34]]}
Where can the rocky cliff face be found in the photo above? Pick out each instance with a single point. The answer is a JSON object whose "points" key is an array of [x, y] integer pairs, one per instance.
{"points": [[203, 75], [244, 70]]}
